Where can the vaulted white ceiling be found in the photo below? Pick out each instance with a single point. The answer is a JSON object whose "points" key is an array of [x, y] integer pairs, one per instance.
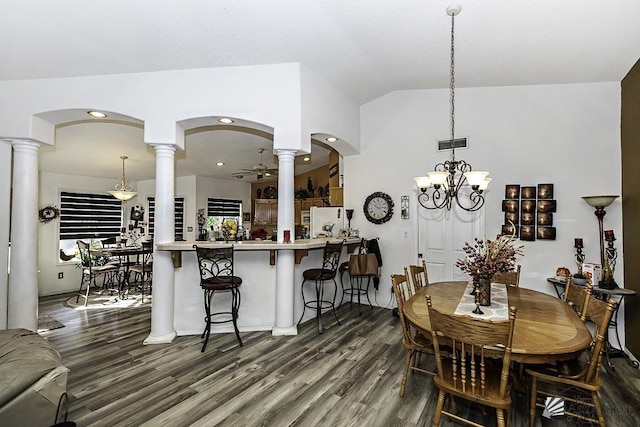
{"points": [[365, 48]]}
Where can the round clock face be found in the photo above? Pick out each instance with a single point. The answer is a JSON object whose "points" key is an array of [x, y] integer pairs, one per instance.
{"points": [[378, 208]]}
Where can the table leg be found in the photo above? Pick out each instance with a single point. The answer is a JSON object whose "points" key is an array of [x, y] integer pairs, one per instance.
{"points": [[612, 351]]}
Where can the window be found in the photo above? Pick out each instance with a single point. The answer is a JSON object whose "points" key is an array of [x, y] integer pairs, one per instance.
{"points": [[219, 210], [87, 217], [179, 216]]}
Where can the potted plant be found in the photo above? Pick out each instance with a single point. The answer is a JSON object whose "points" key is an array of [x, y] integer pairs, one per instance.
{"points": [[579, 278]]}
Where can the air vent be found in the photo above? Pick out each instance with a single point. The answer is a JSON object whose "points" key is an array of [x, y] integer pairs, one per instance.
{"points": [[446, 144]]}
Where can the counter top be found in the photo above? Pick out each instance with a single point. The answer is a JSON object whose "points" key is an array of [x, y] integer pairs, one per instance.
{"points": [[257, 245]]}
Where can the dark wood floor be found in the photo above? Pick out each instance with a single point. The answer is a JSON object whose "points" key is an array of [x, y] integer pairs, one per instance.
{"points": [[349, 376]]}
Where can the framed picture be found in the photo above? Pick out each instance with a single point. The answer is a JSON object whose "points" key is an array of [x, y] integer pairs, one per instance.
{"points": [[512, 192], [528, 192], [545, 219], [545, 191], [528, 232], [527, 206], [510, 229], [246, 216], [546, 233], [333, 170], [528, 218], [511, 216], [545, 206], [509, 206]]}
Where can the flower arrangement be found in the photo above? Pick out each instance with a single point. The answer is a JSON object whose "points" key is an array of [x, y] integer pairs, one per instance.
{"points": [[488, 257], [230, 229]]}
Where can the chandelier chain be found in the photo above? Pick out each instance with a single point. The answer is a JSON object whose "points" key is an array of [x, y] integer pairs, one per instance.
{"points": [[452, 86]]}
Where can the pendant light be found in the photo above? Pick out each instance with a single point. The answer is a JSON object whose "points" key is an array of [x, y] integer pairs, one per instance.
{"points": [[124, 188]]}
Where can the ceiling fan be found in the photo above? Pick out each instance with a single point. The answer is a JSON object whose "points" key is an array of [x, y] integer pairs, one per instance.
{"points": [[259, 170]]}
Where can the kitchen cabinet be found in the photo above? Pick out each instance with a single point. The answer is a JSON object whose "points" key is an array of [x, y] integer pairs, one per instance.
{"points": [[265, 212], [336, 196], [314, 201]]}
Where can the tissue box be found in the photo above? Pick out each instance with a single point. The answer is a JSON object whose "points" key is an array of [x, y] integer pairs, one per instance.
{"points": [[592, 272]]}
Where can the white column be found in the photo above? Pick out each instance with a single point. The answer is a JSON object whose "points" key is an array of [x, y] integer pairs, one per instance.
{"points": [[5, 213], [162, 329], [23, 279], [285, 266]]}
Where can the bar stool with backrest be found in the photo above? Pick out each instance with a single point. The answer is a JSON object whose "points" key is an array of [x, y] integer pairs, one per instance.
{"points": [[217, 276], [319, 276], [363, 265], [90, 271]]}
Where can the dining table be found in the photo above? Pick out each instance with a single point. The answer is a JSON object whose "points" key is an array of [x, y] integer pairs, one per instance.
{"points": [[546, 328], [125, 256]]}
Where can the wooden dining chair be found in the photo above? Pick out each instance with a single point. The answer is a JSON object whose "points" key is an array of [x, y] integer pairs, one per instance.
{"points": [[511, 278], [478, 368], [576, 296], [577, 388], [418, 275], [414, 342]]}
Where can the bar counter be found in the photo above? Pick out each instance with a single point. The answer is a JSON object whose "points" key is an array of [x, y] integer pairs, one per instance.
{"points": [[255, 264]]}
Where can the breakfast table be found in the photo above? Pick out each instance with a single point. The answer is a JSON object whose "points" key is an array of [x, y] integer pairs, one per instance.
{"points": [[546, 328]]}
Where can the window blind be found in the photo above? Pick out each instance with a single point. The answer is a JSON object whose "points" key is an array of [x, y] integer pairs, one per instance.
{"points": [[85, 216], [224, 207], [178, 220]]}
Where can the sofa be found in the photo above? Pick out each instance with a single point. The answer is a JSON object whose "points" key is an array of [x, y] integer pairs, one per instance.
{"points": [[32, 379]]}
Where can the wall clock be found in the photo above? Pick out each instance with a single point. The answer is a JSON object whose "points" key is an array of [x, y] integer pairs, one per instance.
{"points": [[378, 207], [48, 213]]}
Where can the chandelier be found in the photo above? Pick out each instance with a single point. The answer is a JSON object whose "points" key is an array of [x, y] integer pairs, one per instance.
{"points": [[124, 188], [448, 179]]}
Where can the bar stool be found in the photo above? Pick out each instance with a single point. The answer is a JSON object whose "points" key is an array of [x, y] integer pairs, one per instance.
{"points": [[330, 258], [216, 274]]}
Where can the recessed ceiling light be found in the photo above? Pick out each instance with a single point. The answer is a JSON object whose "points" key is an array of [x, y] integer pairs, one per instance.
{"points": [[306, 159], [220, 164], [267, 174], [332, 139], [226, 120], [97, 114]]}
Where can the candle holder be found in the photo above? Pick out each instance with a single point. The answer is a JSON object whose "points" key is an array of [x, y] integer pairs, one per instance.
{"points": [[611, 257], [349, 216], [579, 255], [476, 288]]}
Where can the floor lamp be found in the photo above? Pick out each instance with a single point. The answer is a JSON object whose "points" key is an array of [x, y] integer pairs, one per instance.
{"points": [[599, 203]]}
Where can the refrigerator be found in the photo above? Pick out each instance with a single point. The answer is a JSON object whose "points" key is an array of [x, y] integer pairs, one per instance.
{"points": [[326, 222]]}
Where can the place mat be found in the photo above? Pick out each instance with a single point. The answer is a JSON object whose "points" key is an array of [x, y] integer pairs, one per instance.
{"points": [[47, 323], [497, 311]]}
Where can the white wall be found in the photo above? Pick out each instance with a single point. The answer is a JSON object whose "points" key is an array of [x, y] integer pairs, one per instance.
{"points": [[567, 135]]}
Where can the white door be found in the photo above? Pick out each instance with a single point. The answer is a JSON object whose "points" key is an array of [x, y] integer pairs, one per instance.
{"points": [[441, 236]]}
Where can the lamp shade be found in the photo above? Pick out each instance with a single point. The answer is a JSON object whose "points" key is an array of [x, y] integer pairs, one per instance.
{"points": [[123, 195], [438, 177], [423, 182], [476, 177], [485, 184], [599, 201]]}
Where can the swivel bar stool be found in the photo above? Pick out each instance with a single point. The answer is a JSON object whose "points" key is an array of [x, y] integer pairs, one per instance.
{"points": [[330, 258], [216, 275]]}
